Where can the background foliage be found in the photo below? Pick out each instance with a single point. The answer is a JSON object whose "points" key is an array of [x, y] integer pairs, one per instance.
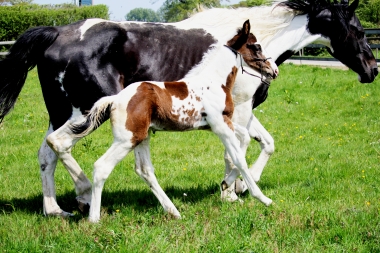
{"points": [[15, 19]]}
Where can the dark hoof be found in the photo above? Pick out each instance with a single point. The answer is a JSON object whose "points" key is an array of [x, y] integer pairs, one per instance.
{"points": [[84, 208]]}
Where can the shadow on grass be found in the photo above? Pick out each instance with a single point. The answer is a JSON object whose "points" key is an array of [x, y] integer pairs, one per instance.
{"points": [[139, 200]]}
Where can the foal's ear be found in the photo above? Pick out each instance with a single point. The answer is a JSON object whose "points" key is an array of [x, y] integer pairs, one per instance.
{"points": [[246, 28], [241, 38]]}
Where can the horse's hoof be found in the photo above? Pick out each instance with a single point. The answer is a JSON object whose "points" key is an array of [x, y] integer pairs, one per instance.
{"points": [[93, 219], [267, 201], [84, 208], [59, 213]]}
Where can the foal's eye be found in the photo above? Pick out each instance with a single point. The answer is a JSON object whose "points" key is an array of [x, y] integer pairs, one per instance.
{"points": [[255, 47]]}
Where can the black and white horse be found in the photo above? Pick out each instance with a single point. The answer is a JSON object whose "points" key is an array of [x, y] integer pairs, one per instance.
{"points": [[82, 62]]}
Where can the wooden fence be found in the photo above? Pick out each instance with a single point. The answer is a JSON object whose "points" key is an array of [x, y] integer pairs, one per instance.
{"points": [[373, 37]]}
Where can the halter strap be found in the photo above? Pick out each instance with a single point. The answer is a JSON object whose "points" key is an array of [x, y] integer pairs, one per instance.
{"points": [[256, 59]]}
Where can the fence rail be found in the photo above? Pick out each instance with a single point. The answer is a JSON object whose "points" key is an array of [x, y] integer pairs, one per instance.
{"points": [[368, 31], [5, 43]]}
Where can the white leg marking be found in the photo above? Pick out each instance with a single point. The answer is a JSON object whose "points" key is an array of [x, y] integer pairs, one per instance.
{"points": [[48, 162], [61, 141]]}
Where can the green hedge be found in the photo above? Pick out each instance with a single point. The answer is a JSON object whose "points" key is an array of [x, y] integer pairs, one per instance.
{"points": [[14, 20]]}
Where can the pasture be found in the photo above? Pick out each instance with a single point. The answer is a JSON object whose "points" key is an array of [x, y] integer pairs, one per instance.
{"points": [[323, 179]]}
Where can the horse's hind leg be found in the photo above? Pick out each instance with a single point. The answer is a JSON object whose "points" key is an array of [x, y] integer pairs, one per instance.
{"points": [[145, 170], [48, 161], [61, 141]]}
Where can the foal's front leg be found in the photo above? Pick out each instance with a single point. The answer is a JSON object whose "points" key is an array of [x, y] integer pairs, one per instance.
{"points": [[232, 172], [145, 170], [231, 143]]}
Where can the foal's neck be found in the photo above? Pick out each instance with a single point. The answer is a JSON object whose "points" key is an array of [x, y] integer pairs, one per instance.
{"points": [[215, 66]]}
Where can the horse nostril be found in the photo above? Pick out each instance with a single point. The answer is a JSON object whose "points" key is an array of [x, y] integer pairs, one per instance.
{"points": [[375, 71]]}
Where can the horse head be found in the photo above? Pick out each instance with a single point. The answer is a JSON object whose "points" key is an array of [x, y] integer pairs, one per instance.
{"points": [[338, 23], [246, 45]]}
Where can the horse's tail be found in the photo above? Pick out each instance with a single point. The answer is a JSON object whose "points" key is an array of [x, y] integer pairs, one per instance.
{"points": [[99, 113], [22, 57]]}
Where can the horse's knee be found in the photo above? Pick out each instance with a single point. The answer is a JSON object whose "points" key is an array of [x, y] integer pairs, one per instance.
{"points": [[269, 145]]}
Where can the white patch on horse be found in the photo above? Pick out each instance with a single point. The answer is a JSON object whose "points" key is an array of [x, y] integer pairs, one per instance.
{"points": [[60, 77], [88, 24], [77, 114]]}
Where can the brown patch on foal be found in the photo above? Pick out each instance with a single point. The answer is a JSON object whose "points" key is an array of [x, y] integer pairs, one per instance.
{"points": [[154, 104], [177, 89], [229, 109]]}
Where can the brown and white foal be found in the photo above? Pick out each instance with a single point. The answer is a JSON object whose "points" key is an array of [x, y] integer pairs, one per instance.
{"points": [[202, 100]]}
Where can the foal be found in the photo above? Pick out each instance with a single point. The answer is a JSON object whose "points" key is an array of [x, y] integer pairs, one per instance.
{"points": [[201, 101]]}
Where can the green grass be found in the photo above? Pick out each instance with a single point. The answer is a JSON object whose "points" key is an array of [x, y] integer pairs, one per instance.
{"points": [[323, 178]]}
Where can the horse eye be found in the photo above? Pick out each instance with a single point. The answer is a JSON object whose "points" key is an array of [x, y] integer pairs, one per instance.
{"points": [[360, 35]]}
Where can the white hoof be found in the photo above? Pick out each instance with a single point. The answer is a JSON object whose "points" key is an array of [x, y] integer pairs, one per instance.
{"points": [[240, 186], [93, 219], [229, 194], [59, 213], [266, 201]]}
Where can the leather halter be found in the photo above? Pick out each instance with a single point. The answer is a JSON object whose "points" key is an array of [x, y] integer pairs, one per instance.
{"points": [[255, 59]]}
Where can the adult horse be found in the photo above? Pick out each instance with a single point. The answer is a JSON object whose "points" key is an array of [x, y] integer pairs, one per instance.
{"points": [[84, 61]]}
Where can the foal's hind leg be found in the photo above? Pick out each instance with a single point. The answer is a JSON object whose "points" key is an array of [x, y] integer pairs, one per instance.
{"points": [[102, 169], [61, 141], [145, 170], [48, 162]]}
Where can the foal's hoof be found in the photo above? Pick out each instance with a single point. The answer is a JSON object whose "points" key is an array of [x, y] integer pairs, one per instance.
{"points": [[267, 201], [228, 194], [240, 186]]}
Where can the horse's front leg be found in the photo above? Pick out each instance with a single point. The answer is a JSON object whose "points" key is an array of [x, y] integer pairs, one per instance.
{"points": [[144, 168], [61, 141], [259, 133]]}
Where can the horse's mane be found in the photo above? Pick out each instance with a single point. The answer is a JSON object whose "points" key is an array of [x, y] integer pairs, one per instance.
{"points": [[339, 11], [265, 21]]}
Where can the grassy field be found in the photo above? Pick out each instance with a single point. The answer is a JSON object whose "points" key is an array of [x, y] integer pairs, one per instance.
{"points": [[323, 178]]}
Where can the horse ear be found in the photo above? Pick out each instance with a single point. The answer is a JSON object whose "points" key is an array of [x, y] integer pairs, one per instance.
{"points": [[352, 7], [246, 27]]}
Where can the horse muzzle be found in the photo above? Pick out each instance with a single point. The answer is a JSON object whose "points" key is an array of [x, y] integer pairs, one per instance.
{"points": [[369, 77]]}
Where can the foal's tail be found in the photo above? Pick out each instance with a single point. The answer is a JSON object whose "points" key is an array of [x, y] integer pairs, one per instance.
{"points": [[23, 56], [99, 113]]}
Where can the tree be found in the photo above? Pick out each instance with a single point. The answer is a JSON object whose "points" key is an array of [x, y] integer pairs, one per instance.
{"points": [[177, 10], [369, 13], [143, 14]]}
